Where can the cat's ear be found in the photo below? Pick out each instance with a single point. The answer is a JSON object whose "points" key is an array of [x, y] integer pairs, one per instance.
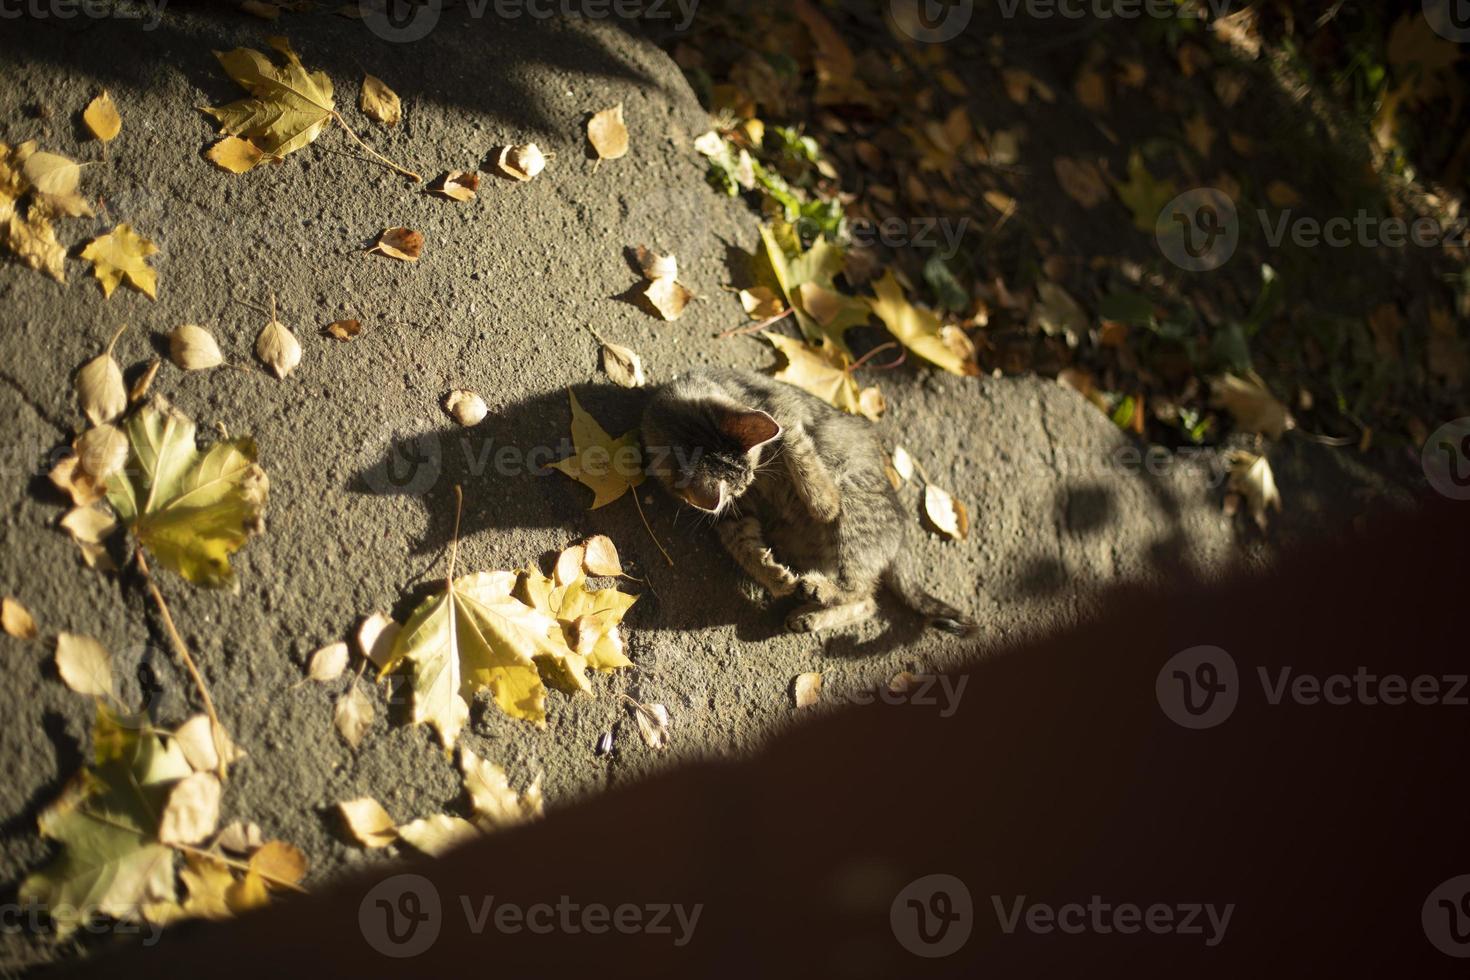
{"points": [[749, 428]]}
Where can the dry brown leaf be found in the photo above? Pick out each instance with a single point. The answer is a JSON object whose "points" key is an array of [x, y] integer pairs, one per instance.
{"points": [[807, 689], [608, 134], [278, 348], [193, 348], [235, 155], [16, 620], [523, 161], [1251, 403], [204, 744], [277, 861], [465, 407], [352, 715], [145, 381], [102, 118], [99, 385], [1251, 477], [368, 822], [328, 663], [343, 329], [653, 724], [379, 102], [69, 477], [668, 296], [622, 365], [400, 243], [761, 302], [656, 266], [946, 514], [88, 525], [1081, 181], [240, 837], [457, 185], [102, 451], [600, 556], [375, 638], [903, 463], [84, 664], [192, 811]]}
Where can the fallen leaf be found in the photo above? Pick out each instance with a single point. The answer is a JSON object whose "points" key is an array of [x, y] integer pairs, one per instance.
{"points": [[278, 348], [206, 745], [192, 811], [523, 161], [368, 822], [1143, 194], [102, 118], [84, 664], [465, 407], [240, 836], [193, 348], [439, 834], [54, 180], [235, 155], [1057, 314], [493, 801], [761, 303], [457, 185], [352, 715], [608, 134], [586, 621], [378, 101], [288, 106], [622, 365], [400, 243], [807, 689], [903, 463], [822, 371], [917, 329], [145, 380], [653, 724], [600, 556], [102, 451], [376, 637], [608, 467], [190, 509], [946, 514], [279, 863], [16, 620], [668, 296], [328, 663], [343, 329], [32, 240], [100, 388], [1251, 477], [70, 478], [1251, 403], [120, 255]]}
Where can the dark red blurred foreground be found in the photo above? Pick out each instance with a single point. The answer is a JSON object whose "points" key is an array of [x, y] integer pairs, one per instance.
{"points": [[1320, 830]]}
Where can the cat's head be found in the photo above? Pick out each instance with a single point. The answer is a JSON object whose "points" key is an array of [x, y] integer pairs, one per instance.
{"points": [[703, 446]]}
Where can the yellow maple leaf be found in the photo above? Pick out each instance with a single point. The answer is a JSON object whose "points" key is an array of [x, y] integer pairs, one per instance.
{"points": [[586, 621], [120, 254], [920, 330], [288, 107], [826, 372], [609, 467]]}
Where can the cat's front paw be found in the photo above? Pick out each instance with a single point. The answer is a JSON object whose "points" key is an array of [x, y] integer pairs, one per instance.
{"points": [[804, 620], [818, 588]]}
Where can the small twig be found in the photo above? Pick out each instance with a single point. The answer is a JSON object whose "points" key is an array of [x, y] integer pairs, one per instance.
{"points": [[753, 327], [454, 541], [877, 350], [374, 153], [237, 865], [649, 528], [215, 728]]}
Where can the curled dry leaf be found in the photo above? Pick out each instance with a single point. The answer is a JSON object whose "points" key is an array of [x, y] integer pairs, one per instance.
{"points": [[568, 567], [1254, 407], [379, 102], [206, 745], [145, 381], [375, 638], [465, 407], [903, 463], [457, 185], [668, 296], [400, 243], [653, 724], [88, 526], [600, 556], [193, 348], [656, 266], [352, 715], [279, 862], [235, 155], [328, 663], [523, 161], [16, 620], [240, 836], [102, 118], [84, 664], [494, 803], [102, 451], [100, 388], [367, 821], [622, 366], [69, 477], [807, 689], [608, 134], [121, 255], [343, 329], [761, 303], [946, 514], [1252, 478], [192, 811], [278, 348]]}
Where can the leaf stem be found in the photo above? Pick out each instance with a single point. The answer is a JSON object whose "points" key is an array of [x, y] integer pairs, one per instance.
{"points": [[113, 342], [215, 728], [753, 327], [647, 527], [454, 542], [374, 153], [237, 865]]}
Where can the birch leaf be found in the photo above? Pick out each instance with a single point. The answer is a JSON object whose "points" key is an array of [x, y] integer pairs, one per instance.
{"points": [[608, 134], [84, 664], [120, 255], [193, 348], [102, 118], [946, 514], [192, 812], [327, 663], [100, 387], [400, 243], [473, 636], [622, 365], [807, 689], [235, 155], [278, 348], [367, 821], [54, 180], [521, 162], [190, 509], [16, 619], [353, 715], [609, 467], [379, 102], [457, 185]]}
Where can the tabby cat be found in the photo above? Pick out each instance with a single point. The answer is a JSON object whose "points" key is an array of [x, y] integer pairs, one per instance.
{"points": [[800, 492]]}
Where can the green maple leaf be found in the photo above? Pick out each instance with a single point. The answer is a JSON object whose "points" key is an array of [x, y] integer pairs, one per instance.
{"points": [[190, 509], [107, 823], [1143, 194], [289, 106]]}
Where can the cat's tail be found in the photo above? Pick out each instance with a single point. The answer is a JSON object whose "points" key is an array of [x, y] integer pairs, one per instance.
{"points": [[939, 614]]}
